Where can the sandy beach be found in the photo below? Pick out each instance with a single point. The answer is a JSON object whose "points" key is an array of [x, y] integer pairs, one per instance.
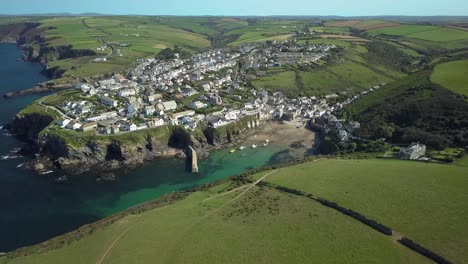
{"points": [[283, 133]]}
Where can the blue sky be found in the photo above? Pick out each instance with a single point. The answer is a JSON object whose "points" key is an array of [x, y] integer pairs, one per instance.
{"points": [[239, 7]]}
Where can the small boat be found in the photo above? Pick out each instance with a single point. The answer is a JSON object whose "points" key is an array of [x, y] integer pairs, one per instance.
{"points": [[241, 147], [254, 146], [267, 141], [265, 144], [61, 179], [232, 151]]}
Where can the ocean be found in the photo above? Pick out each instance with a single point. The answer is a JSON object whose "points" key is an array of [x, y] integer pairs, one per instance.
{"points": [[34, 208]]}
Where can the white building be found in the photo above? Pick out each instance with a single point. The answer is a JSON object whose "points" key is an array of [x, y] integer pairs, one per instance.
{"points": [[198, 105], [170, 105], [109, 101], [149, 110]]}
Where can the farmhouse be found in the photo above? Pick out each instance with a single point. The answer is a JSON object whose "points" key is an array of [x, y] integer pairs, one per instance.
{"points": [[413, 152]]}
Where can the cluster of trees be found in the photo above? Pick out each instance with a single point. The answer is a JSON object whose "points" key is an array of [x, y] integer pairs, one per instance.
{"points": [[332, 145], [419, 111], [387, 54], [170, 54]]}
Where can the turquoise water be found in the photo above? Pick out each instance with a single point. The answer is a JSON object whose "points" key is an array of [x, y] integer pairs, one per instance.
{"points": [[34, 208]]}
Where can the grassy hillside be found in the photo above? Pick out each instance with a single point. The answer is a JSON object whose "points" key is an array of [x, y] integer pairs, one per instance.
{"points": [[452, 75], [414, 109], [247, 225], [422, 201], [430, 33], [141, 37], [352, 73]]}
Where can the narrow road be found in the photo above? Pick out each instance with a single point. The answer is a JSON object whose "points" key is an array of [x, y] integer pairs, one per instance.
{"points": [[53, 108]]}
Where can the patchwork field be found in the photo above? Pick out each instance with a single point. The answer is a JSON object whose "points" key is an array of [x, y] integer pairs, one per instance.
{"points": [[452, 75], [362, 24], [429, 33], [352, 76], [130, 37], [250, 225], [422, 201]]}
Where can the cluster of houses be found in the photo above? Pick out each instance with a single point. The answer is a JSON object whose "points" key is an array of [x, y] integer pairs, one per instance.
{"points": [[284, 53], [178, 91]]}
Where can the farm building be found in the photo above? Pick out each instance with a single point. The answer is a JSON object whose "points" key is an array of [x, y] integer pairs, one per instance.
{"points": [[413, 152]]}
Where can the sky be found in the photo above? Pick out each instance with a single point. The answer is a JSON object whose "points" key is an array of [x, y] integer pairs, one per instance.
{"points": [[240, 7]]}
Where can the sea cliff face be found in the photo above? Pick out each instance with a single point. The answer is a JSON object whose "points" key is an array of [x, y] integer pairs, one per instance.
{"points": [[35, 48], [105, 153]]}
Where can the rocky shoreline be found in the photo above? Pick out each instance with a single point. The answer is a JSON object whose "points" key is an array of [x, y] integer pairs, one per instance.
{"points": [[99, 153]]}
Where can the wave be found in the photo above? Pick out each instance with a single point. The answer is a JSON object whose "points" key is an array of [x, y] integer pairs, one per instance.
{"points": [[46, 172], [8, 157]]}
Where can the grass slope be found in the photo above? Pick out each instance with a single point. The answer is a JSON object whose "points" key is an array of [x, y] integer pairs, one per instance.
{"points": [[425, 202], [452, 75], [259, 226], [429, 33], [144, 37]]}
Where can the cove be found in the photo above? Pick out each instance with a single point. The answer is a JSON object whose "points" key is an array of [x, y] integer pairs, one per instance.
{"points": [[35, 208]]}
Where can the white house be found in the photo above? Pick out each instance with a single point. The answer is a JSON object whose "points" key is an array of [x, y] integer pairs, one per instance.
{"points": [[127, 92], [169, 105], [129, 127], [198, 105], [231, 115], [63, 122], [158, 122], [149, 110], [343, 135], [154, 97], [109, 101]]}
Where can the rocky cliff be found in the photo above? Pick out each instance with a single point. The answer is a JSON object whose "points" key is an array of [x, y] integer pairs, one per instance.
{"points": [[32, 40], [13, 33], [74, 155]]}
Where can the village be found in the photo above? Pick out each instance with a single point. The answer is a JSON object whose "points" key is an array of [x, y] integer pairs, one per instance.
{"points": [[208, 88]]}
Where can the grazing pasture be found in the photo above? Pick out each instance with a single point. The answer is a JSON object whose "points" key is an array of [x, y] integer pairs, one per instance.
{"points": [[228, 225], [426, 202], [452, 75]]}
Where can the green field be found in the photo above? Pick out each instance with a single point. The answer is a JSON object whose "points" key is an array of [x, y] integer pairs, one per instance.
{"points": [[256, 225], [350, 76], [426, 202], [143, 36], [452, 75], [429, 33]]}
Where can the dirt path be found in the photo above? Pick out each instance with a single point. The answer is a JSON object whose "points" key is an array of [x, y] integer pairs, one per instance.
{"points": [[112, 245], [249, 186], [172, 244]]}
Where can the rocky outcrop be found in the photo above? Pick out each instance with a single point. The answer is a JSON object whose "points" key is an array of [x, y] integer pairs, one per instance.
{"points": [[29, 126], [18, 33], [35, 48], [104, 153], [45, 54]]}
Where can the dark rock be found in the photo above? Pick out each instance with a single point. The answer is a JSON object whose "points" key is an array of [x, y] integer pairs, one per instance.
{"points": [[106, 177]]}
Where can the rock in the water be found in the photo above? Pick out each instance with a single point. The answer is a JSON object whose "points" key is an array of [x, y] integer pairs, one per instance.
{"points": [[106, 177], [181, 155], [39, 167]]}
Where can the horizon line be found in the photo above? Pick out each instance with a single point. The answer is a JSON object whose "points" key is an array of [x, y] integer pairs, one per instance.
{"points": [[207, 15]]}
